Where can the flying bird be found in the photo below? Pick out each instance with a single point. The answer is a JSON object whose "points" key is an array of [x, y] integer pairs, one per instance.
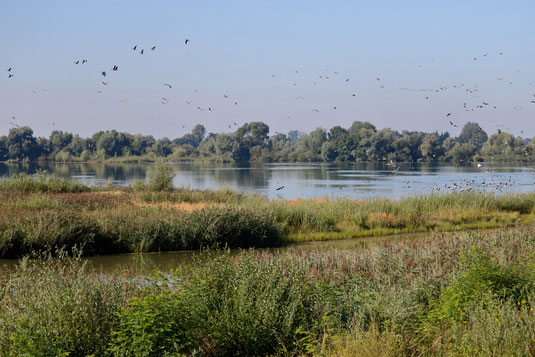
{"points": [[115, 68], [141, 52], [134, 48], [315, 110], [454, 125], [123, 100], [186, 41], [103, 73], [166, 84], [105, 83], [201, 109], [279, 188], [76, 62], [448, 114], [9, 69], [153, 48], [10, 76]]}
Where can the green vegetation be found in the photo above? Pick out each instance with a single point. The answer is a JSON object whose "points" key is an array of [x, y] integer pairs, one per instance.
{"points": [[42, 213], [462, 294], [251, 142]]}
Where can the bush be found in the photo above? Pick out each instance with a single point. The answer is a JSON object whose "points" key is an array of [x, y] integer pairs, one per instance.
{"points": [[161, 179], [482, 279], [247, 307], [54, 307]]}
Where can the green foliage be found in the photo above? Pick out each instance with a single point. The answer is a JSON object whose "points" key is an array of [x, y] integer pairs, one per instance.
{"points": [[482, 279], [41, 182], [161, 179], [362, 141], [53, 307]]}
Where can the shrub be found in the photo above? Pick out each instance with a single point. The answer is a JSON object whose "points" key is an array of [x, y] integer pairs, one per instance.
{"points": [[161, 179]]}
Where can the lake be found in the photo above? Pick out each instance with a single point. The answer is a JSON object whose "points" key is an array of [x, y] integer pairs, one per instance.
{"points": [[305, 180]]}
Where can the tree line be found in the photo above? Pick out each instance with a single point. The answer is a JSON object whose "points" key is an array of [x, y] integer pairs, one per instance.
{"points": [[251, 142]]}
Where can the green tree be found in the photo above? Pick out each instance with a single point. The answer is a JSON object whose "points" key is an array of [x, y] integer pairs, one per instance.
{"points": [[473, 134], [22, 144]]}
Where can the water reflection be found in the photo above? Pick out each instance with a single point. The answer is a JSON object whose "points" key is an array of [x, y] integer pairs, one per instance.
{"points": [[356, 180]]}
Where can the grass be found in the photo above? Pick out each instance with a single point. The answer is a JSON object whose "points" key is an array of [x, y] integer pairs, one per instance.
{"points": [[41, 213], [463, 294]]}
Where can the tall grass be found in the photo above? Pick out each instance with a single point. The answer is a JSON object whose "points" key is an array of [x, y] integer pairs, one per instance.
{"points": [[42, 212], [393, 299]]}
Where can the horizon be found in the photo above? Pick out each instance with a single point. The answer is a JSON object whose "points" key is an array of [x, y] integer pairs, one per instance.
{"points": [[416, 50]]}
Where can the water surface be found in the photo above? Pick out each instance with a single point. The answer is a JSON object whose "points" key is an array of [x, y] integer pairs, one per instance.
{"points": [[306, 180]]}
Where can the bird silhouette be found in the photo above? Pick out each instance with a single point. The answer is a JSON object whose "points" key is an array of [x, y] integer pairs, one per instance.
{"points": [[9, 69], [279, 188], [186, 41], [76, 62], [153, 48], [166, 84], [84, 61], [10, 76], [134, 48], [448, 114], [454, 125], [141, 52], [315, 110], [103, 73], [115, 68], [105, 83]]}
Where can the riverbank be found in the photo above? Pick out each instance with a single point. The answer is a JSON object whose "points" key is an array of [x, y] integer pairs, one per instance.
{"points": [[46, 213], [463, 294]]}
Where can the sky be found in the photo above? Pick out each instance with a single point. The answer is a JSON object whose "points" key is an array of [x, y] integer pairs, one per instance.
{"points": [[286, 63]]}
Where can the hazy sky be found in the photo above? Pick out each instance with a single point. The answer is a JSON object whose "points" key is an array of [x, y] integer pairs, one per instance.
{"points": [[235, 49]]}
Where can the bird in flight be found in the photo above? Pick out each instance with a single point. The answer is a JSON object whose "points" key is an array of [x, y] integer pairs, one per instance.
{"points": [[99, 91], [115, 68], [188, 102], [166, 84], [279, 188], [315, 110], [103, 73], [448, 114], [134, 48], [123, 100], [9, 69], [153, 48], [165, 100], [105, 83], [141, 52], [201, 109], [454, 125], [186, 41], [84, 61], [76, 62], [10, 76]]}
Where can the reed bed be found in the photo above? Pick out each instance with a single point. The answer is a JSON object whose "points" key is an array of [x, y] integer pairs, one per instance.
{"points": [[40, 213], [463, 294]]}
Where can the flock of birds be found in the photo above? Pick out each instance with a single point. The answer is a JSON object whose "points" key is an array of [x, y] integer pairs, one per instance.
{"points": [[473, 92], [474, 101]]}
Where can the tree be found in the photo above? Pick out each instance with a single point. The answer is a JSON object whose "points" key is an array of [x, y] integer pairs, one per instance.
{"points": [[473, 134], [197, 134], [22, 144]]}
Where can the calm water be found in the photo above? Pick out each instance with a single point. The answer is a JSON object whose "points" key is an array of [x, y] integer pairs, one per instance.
{"points": [[145, 263], [306, 180]]}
